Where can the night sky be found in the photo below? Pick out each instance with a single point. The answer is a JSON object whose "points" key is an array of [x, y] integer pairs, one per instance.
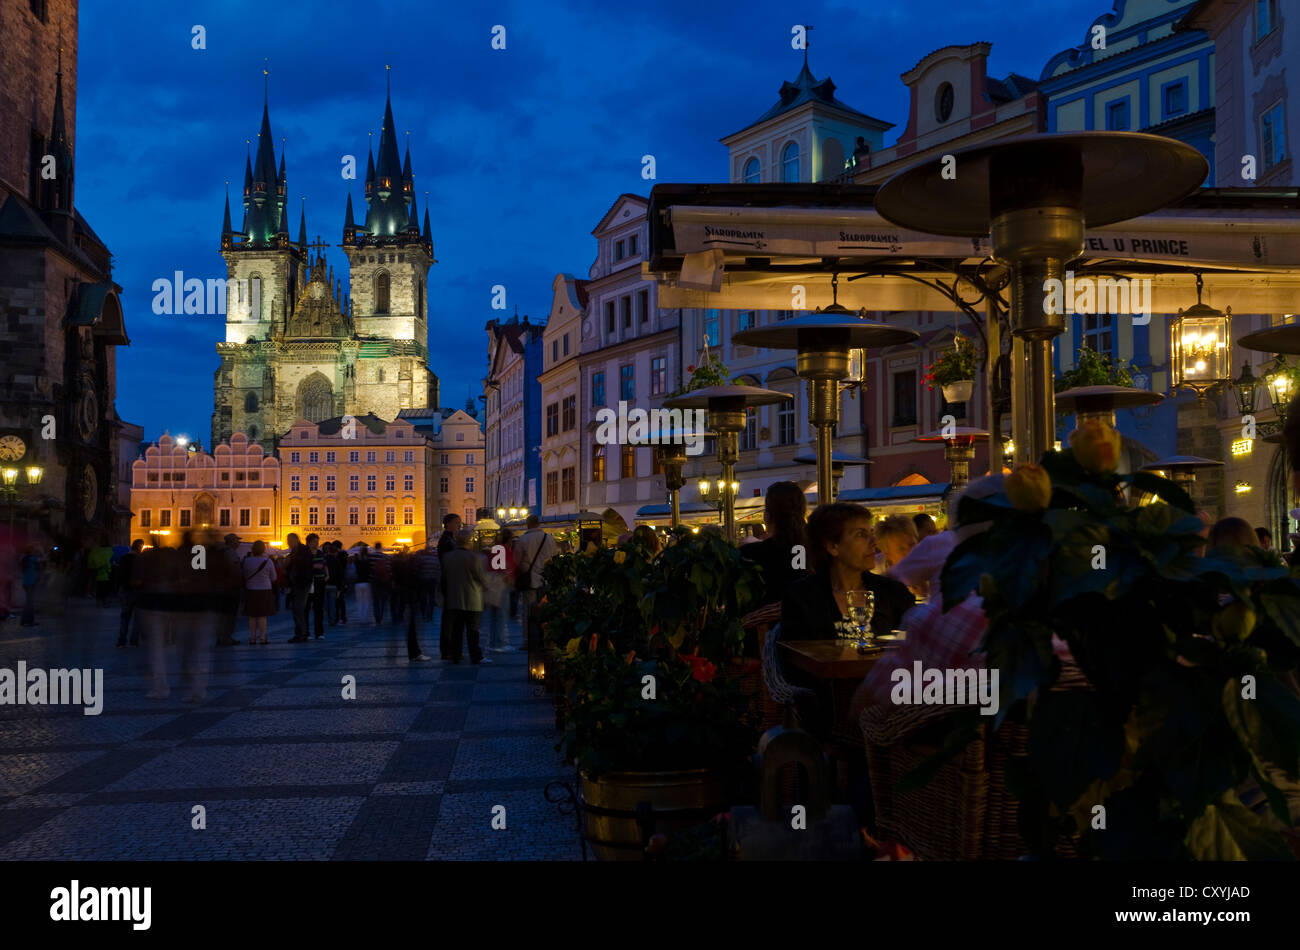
{"points": [[521, 151]]}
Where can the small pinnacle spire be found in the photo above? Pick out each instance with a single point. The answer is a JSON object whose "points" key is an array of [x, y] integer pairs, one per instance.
{"points": [[302, 227], [266, 80], [388, 74]]}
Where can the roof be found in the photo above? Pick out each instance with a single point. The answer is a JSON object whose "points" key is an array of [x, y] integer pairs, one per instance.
{"points": [[895, 493], [805, 89], [1014, 87], [1186, 118]]}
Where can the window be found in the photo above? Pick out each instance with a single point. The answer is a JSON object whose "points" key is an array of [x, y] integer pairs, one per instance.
{"points": [[469, 516], [553, 419], [710, 336], [239, 476], [1265, 17], [146, 518], [569, 480], [598, 389], [408, 515], [785, 422], [631, 246], [570, 419], [790, 163], [295, 483], [1272, 134], [746, 319], [313, 457], [1174, 95], [187, 517], [469, 456], [354, 515], [313, 483], [390, 456], [555, 351], [442, 459], [1098, 333], [372, 457], [263, 517], [40, 8], [627, 462], [250, 402], [566, 344], [164, 518], [469, 483], [329, 515], [609, 317], [245, 517], [381, 293], [330, 458], [627, 383], [597, 463], [252, 476], [618, 250], [295, 518], [657, 463], [444, 484], [943, 101], [390, 483], [460, 436], [330, 483], [354, 456], [390, 514], [643, 306], [904, 398], [752, 172], [225, 476], [784, 315], [408, 455], [408, 483], [354, 483], [313, 515], [625, 308], [552, 488], [370, 515], [295, 457], [749, 435], [1117, 115], [370, 483]]}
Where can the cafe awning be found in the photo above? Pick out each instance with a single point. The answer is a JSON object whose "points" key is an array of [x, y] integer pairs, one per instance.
{"points": [[931, 494], [749, 246]]}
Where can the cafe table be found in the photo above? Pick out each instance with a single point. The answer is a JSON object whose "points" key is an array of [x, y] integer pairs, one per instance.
{"points": [[843, 667]]}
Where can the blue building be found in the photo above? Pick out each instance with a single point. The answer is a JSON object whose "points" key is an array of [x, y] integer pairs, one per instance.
{"points": [[1133, 73]]}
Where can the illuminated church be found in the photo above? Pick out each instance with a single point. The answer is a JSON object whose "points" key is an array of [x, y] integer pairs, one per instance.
{"points": [[299, 345]]}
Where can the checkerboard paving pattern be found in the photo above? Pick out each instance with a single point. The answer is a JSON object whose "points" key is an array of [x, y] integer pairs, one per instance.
{"points": [[417, 766]]}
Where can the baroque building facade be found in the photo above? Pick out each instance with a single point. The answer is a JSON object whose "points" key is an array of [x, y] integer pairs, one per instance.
{"points": [[298, 345]]}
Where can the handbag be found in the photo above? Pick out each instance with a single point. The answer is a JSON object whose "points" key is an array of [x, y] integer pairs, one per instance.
{"points": [[524, 576]]}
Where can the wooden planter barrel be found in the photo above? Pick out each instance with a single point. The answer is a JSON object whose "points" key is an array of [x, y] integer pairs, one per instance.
{"points": [[623, 809]]}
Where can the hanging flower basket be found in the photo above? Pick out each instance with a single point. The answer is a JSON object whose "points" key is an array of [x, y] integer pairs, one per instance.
{"points": [[954, 371], [960, 391]]}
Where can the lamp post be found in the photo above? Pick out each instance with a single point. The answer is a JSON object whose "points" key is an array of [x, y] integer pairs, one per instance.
{"points": [[726, 406], [724, 495], [826, 341], [1036, 196], [9, 487]]}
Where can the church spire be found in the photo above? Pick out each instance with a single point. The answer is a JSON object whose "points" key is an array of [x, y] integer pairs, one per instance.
{"points": [[265, 211], [349, 224], [302, 227], [413, 222], [227, 238], [57, 191], [390, 188]]}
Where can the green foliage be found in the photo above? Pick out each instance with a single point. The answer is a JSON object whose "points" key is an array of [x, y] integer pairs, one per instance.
{"points": [[710, 372], [953, 365], [619, 615], [1165, 636], [1093, 369]]}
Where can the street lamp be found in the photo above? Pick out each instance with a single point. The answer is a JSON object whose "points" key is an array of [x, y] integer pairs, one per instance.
{"points": [[1247, 388], [724, 499], [9, 487], [1201, 347], [1278, 381]]}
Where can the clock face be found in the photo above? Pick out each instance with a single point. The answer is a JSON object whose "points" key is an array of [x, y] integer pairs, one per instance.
{"points": [[88, 414], [89, 492], [12, 448]]}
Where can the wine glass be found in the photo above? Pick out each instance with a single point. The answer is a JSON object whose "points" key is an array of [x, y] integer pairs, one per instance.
{"points": [[862, 605]]}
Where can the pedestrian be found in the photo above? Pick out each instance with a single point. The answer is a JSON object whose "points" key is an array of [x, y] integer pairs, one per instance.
{"points": [[338, 568], [361, 565], [465, 579], [533, 549], [126, 569], [258, 574], [447, 540], [500, 565], [300, 571], [895, 536], [381, 580], [31, 569], [99, 562], [784, 513], [319, 582], [229, 613], [428, 573]]}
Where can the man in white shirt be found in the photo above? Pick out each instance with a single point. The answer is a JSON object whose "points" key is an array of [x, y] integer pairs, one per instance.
{"points": [[533, 549]]}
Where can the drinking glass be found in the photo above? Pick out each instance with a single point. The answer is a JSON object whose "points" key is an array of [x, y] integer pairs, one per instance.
{"points": [[862, 605]]}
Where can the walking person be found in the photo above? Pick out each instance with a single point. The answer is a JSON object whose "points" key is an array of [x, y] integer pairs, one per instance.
{"points": [[126, 571], [533, 549], [31, 569], [258, 574], [339, 565], [300, 572], [465, 579], [319, 582], [428, 573], [447, 540], [500, 565], [381, 580], [364, 605], [229, 613], [410, 595]]}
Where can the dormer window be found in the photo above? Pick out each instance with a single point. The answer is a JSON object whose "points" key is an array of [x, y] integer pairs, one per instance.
{"points": [[943, 101], [618, 250]]}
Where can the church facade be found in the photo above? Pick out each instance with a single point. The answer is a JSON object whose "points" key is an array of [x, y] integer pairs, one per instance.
{"points": [[299, 345]]}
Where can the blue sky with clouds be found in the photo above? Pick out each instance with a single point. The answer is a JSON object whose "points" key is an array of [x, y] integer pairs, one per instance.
{"points": [[521, 151]]}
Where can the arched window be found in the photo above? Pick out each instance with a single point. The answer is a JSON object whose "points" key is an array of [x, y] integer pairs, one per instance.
{"points": [[252, 433], [381, 293], [751, 172], [250, 402], [315, 399], [255, 296], [790, 162]]}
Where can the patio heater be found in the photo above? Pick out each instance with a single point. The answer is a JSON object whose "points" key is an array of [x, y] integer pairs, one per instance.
{"points": [[823, 340], [1182, 469], [959, 452], [726, 407], [670, 450], [839, 461], [1100, 402], [1036, 196]]}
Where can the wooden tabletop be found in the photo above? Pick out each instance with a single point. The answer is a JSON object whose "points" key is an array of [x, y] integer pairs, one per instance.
{"points": [[829, 659]]}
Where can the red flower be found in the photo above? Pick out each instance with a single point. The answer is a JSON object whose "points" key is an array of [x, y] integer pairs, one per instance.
{"points": [[691, 368], [701, 669]]}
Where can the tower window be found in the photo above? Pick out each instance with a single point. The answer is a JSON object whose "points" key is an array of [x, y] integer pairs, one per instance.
{"points": [[790, 162], [250, 402], [381, 293]]}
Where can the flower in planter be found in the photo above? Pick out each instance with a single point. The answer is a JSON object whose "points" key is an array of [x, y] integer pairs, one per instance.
{"points": [[1096, 446], [953, 365], [1029, 488]]}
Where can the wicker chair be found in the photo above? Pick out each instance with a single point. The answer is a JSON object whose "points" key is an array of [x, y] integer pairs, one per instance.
{"points": [[779, 695], [966, 812]]}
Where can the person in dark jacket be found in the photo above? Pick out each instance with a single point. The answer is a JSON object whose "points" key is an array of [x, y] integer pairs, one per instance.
{"points": [[300, 569], [126, 570], [783, 512], [447, 541], [320, 575]]}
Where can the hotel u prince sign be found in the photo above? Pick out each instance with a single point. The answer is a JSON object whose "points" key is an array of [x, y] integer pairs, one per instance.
{"points": [[1252, 241]]}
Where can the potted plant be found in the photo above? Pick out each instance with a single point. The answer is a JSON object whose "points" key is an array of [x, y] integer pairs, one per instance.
{"points": [[656, 730], [710, 372], [1093, 369], [1183, 654], [954, 371]]}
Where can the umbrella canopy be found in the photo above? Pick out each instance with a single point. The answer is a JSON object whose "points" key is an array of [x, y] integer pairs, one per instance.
{"points": [[1104, 398], [837, 458], [742, 396], [1184, 462], [1285, 339]]}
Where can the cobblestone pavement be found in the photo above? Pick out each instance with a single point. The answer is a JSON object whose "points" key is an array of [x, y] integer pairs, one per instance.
{"points": [[283, 765]]}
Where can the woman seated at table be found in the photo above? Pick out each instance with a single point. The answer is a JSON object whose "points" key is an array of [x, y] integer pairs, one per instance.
{"points": [[784, 510]]}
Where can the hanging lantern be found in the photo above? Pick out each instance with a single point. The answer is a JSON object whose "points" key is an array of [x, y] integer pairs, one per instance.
{"points": [[1247, 388], [1280, 390], [1201, 347]]}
